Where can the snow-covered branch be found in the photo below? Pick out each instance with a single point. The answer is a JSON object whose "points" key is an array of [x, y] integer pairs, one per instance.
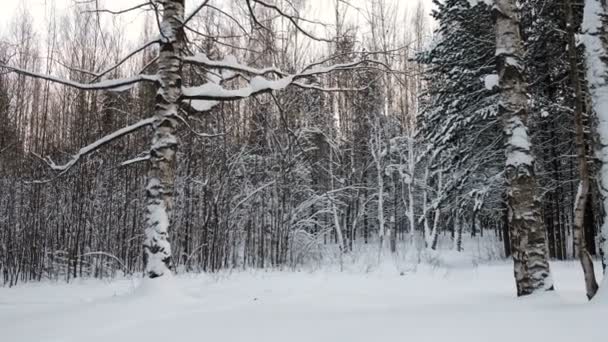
{"points": [[98, 143], [257, 85], [230, 63], [114, 84], [214, 91], [140, 158]]}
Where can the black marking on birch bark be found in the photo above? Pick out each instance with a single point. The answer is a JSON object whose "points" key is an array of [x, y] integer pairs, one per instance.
{"points": [[531, 268], [159, 194]]}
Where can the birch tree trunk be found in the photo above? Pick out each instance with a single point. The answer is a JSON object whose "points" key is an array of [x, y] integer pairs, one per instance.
{"points": [[334, 211], [596, 50], [410, 190], [531, 266], [583, 169], [161, 175], [425, 208], [380, 177], [378, 155]]}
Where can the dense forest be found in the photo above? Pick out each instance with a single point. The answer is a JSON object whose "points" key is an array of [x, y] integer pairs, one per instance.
{"points": [[243, 134]]}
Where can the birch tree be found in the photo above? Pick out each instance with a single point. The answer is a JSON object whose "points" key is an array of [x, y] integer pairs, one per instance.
{"points": [[583, 167], [596, 47], [531, 266], [379, 150]]}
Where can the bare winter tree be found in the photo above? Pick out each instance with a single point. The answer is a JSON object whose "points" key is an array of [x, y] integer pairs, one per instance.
{"points": [[173, 96]]}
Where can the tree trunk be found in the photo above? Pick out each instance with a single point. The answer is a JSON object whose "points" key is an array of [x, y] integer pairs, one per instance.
{"points": [[377, 154], [583, 169], [334, 210], [531, 266], [506, 240], [410, 191], [432, 243], [456, 230], [596, 48], [161, 175], [459, 235]]}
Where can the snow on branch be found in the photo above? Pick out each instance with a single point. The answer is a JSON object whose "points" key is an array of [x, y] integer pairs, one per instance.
{"points": [[230, 63], [99, 74], [97, 144], [257, 85], [214, 91], [326, 90], [113, 85], [142, 157]]}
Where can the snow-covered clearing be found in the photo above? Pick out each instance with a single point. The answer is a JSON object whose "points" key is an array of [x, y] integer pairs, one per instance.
{"points": [[429, 304]]}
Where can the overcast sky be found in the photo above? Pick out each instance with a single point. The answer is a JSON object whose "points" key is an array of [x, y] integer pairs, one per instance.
{"points": [[39, 9]]}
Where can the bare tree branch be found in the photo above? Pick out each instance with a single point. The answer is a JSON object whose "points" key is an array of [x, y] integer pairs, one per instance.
{"points": [[126, 10], [126, 58], [292, 18], [193, 13]]}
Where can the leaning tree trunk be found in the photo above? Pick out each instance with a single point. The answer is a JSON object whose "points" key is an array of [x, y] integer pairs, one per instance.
{"points": [[596, 50], [583, 169], [161, 175], [531, 266]]}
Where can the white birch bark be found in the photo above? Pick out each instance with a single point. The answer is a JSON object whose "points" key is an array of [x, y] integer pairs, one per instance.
{"points": [[596, 50], [531, 266], [410, 192], [430, 227], [425, 208], [161, 175], [378, 152], [334, 210], [580, 202]]}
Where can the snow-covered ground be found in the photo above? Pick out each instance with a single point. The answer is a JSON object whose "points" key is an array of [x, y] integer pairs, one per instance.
{"points": [[429, 304]]}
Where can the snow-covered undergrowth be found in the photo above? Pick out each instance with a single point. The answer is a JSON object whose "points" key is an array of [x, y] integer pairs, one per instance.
{"points": [[364, 257], [430, 303]]}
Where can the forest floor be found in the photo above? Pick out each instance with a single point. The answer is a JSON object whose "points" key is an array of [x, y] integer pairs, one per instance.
{"points": [[436, 304]]}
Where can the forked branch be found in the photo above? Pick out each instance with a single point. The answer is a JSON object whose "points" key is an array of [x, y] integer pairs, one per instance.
{"points": [[98, 143]]}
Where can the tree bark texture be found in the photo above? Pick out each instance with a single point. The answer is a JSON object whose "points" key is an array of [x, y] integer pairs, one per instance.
{"points": [[531, 267], [161, 175]]}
